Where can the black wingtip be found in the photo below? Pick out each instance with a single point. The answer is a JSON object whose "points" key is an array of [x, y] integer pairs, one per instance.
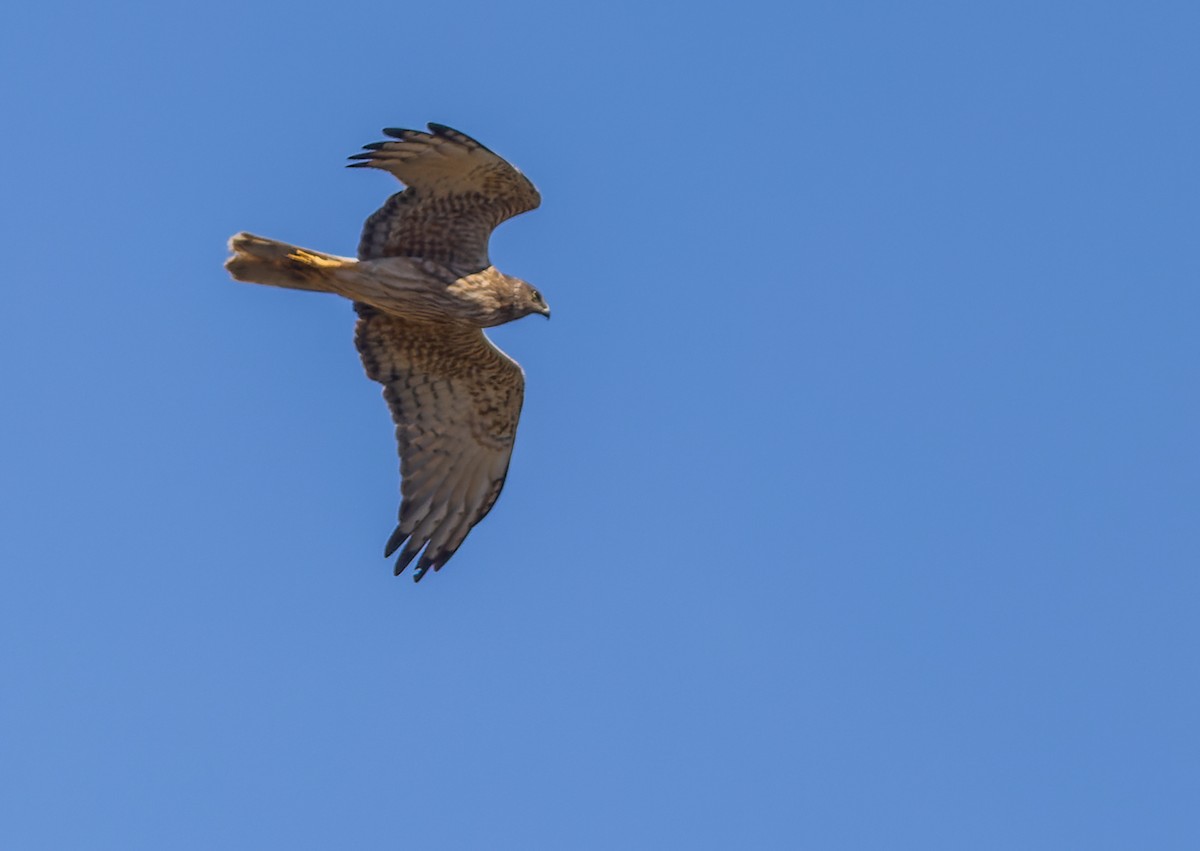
{"points": [[405, 558], [402, 132], [427, 561], [394, 542], [458, 136]]}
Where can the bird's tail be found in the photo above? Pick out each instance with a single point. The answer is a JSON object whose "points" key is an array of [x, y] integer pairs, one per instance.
{"points": [[259, 260]]}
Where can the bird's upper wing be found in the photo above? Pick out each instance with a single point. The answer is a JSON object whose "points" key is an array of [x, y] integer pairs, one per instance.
{"points": [[458, 191], [455, 399]]}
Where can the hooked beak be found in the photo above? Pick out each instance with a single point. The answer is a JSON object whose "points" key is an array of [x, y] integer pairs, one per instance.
{"points": [[545, 312]]}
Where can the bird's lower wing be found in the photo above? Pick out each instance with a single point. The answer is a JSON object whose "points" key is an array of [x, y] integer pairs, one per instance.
{"points": [[455, 399]]}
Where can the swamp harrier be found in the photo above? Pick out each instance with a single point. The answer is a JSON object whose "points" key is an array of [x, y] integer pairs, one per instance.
{"points": [[424, 289]]}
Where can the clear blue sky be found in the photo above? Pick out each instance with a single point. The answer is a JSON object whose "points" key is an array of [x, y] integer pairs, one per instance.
{"points": [[856, 497]]}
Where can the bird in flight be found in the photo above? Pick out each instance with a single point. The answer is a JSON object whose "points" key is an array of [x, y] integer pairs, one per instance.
{"points": [[424, 288]]}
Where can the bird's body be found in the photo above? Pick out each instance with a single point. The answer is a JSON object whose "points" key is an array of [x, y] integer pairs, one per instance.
{"points": [[423, 287], [402, 286]]}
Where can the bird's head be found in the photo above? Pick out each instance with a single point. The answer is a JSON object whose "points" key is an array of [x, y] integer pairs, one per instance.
{"points": [[531, 300], [491, 298]]}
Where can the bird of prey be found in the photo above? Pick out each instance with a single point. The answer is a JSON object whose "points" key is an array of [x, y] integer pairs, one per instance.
{"points": [[424, 289]]}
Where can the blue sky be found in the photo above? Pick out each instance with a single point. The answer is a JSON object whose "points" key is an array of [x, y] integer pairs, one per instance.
{"points": [[855, 499]]}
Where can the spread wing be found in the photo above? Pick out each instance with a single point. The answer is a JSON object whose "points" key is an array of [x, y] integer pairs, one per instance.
{"points": [[458, 192], [455, 399]]}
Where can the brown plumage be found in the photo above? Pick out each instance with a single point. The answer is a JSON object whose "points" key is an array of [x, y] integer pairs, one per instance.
{"points": [[423, 287]]}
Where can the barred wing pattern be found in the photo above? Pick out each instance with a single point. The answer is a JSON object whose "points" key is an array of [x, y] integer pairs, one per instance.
{"points": [[455, 399], [458, 192]]}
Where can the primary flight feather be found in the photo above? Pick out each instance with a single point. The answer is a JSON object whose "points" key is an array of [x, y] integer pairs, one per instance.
{"points": [[424, 288]]}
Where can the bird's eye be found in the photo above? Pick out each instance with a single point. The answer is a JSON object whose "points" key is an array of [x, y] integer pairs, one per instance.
{"points": [[536, 295]]}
